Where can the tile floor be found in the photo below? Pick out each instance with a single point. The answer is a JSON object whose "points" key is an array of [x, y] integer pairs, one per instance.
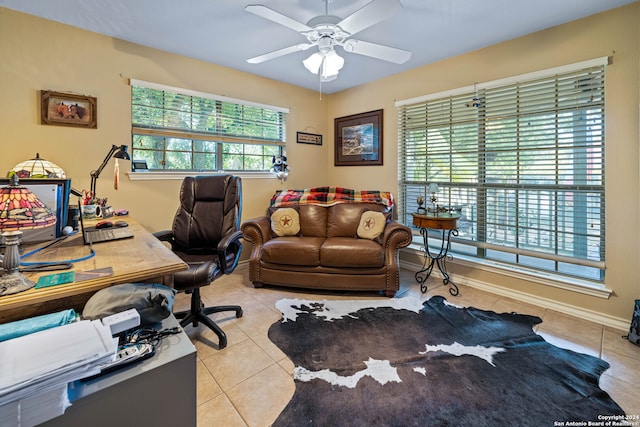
{"points": [[249, 382]]}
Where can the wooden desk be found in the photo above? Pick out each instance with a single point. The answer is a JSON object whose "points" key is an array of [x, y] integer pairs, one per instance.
{"points": [[447, 223], [140, 259]]}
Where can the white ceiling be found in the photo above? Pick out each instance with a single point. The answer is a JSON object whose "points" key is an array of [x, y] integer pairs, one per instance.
{"points": [[222, 32]]}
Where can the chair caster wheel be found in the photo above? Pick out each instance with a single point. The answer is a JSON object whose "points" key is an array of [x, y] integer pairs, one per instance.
{"points": [[239, 314]]}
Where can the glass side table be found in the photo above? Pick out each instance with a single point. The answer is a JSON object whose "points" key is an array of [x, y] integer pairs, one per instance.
{"points": [[447, 223]]}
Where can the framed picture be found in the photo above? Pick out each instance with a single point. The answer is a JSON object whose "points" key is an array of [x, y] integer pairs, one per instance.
{"points": [[66, 109], [358, 139], [308, 138]]}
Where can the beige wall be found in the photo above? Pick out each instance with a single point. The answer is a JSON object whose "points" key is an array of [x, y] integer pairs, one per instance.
{"points": [[37, 54], [615, 33], [40, 54]]}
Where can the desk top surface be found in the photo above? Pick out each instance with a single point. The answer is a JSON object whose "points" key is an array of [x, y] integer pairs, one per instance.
{"points": [[138, 259]]}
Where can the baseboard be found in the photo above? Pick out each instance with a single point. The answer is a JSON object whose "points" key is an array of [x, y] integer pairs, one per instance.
{"points": [[571, 310]]}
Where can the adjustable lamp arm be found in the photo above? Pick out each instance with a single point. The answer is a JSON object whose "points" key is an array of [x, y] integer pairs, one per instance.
{"points": [[118, 151]]}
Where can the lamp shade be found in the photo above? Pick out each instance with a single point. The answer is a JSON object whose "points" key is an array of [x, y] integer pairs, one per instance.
{"points": [[37, 168], [21, 209], [332, 65], [313, 62]]}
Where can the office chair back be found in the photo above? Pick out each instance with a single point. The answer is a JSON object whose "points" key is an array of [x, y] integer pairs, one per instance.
{"points": [[210, 209]]}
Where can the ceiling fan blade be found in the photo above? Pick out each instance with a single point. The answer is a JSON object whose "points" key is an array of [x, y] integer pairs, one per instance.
{"points": [[378, 51], [279, 52], [277, 17], [368, 15]]}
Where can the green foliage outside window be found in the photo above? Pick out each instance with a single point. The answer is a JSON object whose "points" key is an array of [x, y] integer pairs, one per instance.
{"points": [[183, 132]]}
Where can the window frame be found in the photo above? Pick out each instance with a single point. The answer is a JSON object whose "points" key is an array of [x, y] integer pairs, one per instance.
{"points": [[220, 143]]}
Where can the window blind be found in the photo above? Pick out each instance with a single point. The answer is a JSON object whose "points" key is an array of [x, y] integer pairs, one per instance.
{"points": [[180, 129], [522, 160]]}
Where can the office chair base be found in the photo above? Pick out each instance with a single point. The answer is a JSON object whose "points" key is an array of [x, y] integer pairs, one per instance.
{"points": [[200, 313]]}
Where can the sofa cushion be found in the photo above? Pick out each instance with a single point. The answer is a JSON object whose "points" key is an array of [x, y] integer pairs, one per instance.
{"points": [[285, 222], [371, 225], [292, 251], [343, 218], [350, 252], [313, 220]]}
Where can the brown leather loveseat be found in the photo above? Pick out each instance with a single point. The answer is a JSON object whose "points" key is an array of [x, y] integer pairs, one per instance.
{"points": [[331, 249]]}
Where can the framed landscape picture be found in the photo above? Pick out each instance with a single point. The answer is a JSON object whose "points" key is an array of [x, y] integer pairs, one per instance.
{"points": [[65, 109], [358, 139]]}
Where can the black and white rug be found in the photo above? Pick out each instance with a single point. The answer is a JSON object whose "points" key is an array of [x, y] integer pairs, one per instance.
{"points": [[399, 362]]}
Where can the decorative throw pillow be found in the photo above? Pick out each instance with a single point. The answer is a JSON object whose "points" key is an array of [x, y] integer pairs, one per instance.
{"points": [[371, 225], [285, 222]]}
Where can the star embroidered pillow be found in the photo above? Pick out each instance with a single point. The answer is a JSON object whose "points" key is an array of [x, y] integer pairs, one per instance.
{"points": [[371, 225], [285, 222]]}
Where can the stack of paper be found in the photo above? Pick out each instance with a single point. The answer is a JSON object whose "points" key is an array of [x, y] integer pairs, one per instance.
{"points": [[36, 369]]}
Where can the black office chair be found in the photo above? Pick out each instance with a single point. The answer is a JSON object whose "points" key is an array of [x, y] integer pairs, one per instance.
{"points": [[206, 235]]}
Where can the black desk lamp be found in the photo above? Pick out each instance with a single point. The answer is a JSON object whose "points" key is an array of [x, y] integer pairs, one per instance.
{"points": [[117, 151]]}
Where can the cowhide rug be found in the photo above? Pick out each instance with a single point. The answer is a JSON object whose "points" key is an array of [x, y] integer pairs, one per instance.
{"points": [[399, 362]]}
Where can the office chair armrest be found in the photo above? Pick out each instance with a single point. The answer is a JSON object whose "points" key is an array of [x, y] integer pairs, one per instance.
{"points": [[229, 249], [164, 235]]}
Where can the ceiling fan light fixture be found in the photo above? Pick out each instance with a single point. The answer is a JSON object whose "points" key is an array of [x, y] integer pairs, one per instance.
{"points": [[313, 63], [332, 65]]}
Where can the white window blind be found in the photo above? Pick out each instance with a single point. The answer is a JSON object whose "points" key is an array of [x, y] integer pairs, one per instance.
{"points": [[522, 160], [180, 129]]}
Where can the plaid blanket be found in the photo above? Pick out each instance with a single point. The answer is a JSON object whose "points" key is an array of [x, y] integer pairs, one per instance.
{"points": [[328, 196]]}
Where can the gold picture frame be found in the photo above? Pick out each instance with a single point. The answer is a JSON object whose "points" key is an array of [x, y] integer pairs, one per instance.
{"points": [[358, 139], [66, 109]]}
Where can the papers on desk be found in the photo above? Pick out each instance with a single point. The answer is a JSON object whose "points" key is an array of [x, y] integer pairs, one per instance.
{"points": [[35, 369]]}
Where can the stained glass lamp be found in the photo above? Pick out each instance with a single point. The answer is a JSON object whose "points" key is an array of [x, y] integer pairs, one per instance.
{"points": [[37, 168], [19, 209]]}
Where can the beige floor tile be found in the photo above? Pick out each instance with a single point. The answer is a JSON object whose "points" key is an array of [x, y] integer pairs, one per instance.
{"points": [[258, 320], [616, 341], [623, 393], [236, 363], [270, 348], [261, 398], [207, 388], [623, 367], [206, 341], [219, 412], [583, 333]]}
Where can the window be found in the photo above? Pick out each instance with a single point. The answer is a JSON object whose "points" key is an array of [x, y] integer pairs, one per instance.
{"points": [[522, 160], [180, 130]]}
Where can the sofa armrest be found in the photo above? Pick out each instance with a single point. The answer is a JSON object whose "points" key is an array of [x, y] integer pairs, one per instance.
{"points": [[396, 235], [257, 230]]}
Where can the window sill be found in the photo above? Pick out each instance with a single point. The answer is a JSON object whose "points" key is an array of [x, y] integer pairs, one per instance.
{"points": [[180, 175], [523, 273]]}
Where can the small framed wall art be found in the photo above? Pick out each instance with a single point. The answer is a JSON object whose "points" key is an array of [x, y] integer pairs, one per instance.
{"points": [[358, 139], [308, 138], [66, 109]]}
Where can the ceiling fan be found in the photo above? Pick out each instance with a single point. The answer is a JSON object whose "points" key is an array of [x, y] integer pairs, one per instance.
{"points": [[327, 31]]}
